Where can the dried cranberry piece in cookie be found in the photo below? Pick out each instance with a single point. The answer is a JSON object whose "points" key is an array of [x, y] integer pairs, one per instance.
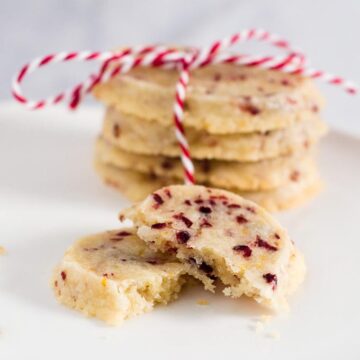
{"points": [[205, 209], [244, 249], [182, 237], [234, 206], [264, 244], [158, 199], [158, 226], [241, 219], [249, 107], [271, 279], [184, 219]]}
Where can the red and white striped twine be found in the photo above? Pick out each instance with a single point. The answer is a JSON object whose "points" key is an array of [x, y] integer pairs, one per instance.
{"points": [[293, 62]]}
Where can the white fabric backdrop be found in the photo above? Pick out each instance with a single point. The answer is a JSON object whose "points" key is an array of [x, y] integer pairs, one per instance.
{"points": [[327, 30]]}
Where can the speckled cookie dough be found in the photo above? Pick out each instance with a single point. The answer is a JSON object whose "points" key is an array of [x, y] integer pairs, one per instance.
{"points": [[133, 134], [114, 276], [234, 239], [136, 186], [262, 175], [220, 99]]}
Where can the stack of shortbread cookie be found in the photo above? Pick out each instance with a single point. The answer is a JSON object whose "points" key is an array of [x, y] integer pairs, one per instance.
{"points": [[251, 131]]}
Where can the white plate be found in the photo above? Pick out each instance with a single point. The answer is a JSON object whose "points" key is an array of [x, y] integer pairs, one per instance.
{"points": [[50, 196]]}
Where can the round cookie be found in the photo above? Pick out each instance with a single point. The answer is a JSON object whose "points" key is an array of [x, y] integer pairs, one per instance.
{"points": [[220, 99], [254, 176], [133, 134], [136, 186], [114, 276], [233, 238]]}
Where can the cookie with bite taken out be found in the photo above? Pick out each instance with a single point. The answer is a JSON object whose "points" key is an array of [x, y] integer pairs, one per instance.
{"points": [[226, 236]]}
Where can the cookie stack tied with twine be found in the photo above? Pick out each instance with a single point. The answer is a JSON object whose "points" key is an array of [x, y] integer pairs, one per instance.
{"points": [[251, 122], [251, 131]]}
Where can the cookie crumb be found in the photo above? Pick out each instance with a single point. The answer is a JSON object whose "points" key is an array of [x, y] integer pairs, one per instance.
{"points": [[2, 250], [275, 335], [264, 318], [202, 302]]}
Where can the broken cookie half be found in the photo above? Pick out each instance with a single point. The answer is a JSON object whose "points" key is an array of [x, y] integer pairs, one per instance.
{"points": [[115, 275], [226, 236]]}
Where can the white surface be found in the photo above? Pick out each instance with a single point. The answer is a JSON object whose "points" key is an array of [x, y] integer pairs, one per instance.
{"points": [[50, 196], [326, 30]]}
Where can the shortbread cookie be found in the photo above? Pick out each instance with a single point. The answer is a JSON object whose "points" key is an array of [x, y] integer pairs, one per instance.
{"points": [[114, 276], [262, 175], [220, 99], [239, 242], [148, 137], [136, 186]]}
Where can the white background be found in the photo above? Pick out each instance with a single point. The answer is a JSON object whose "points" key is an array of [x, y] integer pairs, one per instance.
{"points": [[327, 30], [50, 195]]}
